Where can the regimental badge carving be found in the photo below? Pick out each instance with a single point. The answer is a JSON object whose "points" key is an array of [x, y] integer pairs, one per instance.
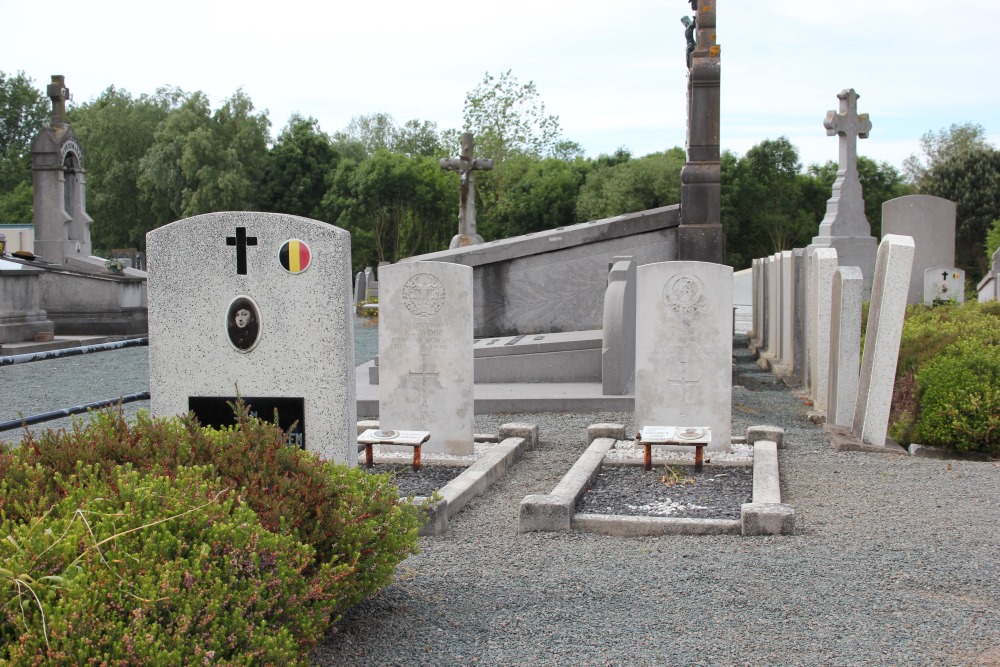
{"points": [[684, 294], [423, 295]]}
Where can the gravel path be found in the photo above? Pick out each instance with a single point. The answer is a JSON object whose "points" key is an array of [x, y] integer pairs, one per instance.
{"points": [[894, 561]]}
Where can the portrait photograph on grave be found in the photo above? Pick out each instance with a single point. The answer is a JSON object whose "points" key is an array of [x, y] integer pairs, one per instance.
{"points": [[243, 323]]}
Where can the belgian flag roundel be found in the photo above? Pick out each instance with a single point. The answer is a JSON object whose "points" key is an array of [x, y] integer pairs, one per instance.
{"points": [[294, 256]]}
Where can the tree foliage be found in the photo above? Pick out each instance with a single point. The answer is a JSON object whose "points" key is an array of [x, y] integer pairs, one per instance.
{"points": [[622, 185], [936, 148], [23, 112], [297, 168]]}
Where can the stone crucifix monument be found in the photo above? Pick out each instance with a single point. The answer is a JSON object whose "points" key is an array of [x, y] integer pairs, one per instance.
{"points": [[465, 164], [845, 226]]}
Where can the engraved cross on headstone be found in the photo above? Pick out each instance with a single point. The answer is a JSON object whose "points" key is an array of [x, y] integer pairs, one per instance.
{"points": [[465, 164], [59, 94], [423, 375], [683, 382], [241, 241]]}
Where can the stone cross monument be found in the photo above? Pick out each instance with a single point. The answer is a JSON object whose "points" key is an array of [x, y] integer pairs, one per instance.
{"points": [[699, 236], [465, 164], [62, 226], [845, 226]]}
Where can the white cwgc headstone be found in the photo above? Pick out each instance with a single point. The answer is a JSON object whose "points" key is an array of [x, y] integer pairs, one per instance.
{"points": [[944, 283], [930, 222], [824, 263], [885, 327], [425, 353], [684, 345], [845, 346], [258, 303]]}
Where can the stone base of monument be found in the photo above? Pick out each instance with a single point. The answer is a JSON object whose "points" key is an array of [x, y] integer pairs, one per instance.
{"points": [[512, 441], [765, 515]]}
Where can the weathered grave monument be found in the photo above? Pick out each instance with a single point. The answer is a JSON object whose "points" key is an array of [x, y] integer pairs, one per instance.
{"points": [[465, 165], [930, 222], [943, 283], [255, 304], [684, 348], [425, 353]]}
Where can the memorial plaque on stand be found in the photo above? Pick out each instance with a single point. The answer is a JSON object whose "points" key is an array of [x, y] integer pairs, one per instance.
{"points": [[216, 412]]}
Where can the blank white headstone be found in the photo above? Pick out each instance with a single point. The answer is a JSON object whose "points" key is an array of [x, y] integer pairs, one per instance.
{"points": [[885, 327], [684, 346], [824, 263], [259, 302], [845, 345], [425, 353]]}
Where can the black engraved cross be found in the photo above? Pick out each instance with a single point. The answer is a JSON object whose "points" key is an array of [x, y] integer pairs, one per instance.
{"points": [[241, 241]]}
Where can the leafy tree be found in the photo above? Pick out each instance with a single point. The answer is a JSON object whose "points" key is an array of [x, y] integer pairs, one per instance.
{"points": [[374, 132], [971, 179], [116, 131], [23, 112], [542, 195], [202, 162], [17, 206], [297, 167], [937, 148], [628, 186], [992, 241], [418, 137]]}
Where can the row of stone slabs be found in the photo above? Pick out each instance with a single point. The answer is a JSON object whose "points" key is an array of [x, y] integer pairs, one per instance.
{"points": [[556, 511]]}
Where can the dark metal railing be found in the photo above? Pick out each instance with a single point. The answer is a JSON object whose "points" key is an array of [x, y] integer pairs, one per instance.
{"points": [[72, 351], [69, 412]]}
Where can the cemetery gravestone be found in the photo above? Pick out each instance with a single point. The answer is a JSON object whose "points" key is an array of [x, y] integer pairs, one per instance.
{"points": [[684, 345], [425, 353], [824, 263], [930, 222], [259, 304], [943, 283], [845, 346]]}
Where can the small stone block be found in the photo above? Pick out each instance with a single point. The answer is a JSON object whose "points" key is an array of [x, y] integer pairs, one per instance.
{"points": [[366, 424], [520, 430], [544, 513], [767, 519], [775, 434], [613, 431]]}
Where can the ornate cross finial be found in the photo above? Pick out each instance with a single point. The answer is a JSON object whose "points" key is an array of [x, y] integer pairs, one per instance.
{"points": [[59, 94], [850, 125]]}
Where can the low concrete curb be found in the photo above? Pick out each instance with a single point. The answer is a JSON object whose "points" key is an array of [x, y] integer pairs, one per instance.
{"points": [[474, 481], [766, 515], [844, 441]]}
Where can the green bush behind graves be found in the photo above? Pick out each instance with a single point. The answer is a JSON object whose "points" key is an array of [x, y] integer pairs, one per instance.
{"points": [[351, 522], [947, 391]]}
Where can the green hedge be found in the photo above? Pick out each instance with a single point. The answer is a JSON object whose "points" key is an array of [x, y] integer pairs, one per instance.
{"points": [[352, 522], [947, 377]]}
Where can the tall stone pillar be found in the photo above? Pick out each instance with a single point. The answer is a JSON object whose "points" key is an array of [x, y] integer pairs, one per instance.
{"points": [[62, 226], [699, 236]]}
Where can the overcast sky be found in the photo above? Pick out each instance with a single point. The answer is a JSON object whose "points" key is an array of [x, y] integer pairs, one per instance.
{"points": [[612, 70]]}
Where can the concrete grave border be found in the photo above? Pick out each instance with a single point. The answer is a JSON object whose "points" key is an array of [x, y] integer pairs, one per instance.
{"points": [[514, 440], [555, 511]]}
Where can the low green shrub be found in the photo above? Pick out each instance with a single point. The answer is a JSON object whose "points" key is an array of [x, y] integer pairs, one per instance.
{"points": [[347, 515], [959, 397], [135, 569]]}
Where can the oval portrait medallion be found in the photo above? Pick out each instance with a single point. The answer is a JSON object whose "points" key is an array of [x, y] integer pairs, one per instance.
{"points": [[684, 294], [423, 295], [243, 323]]}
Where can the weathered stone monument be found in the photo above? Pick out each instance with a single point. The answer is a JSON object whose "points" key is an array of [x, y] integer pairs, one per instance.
{"points": [[885, 327], [943, 283], [845, 226], [425, 353], [257, 304], [465, 165], [930, 222], [699, 236], [21, 317], [684, 346], [845, 346]]}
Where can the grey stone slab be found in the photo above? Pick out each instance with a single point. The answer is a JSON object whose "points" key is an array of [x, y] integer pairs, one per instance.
{"points": [[930, 222], [425, 352], [845, 346], [943, 283], [885, 327], [204, 269], [618, 334], [684, 346], [824, 264]]}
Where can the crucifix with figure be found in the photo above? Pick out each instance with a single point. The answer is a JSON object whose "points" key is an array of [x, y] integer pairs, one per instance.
{"points": [[465, 164]]}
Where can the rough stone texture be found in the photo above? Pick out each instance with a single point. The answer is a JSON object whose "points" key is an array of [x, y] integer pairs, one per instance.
{"points": [[823, 265], [684, 347], [767, 519], [930, 222], [885, 326], [425, 353], [21, 318], [845, 346], [555, 280], [943, 283], [618, 333], [305, 345], [614, 431], [775, 434], [766, 488], [529, 432]]}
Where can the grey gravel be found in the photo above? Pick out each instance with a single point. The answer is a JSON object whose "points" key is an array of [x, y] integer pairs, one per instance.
{"points": [[894, 560]]}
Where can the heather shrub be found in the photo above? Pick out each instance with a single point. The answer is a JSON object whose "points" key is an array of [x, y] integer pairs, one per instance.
{"points": [[348, 516], [138, 569]]}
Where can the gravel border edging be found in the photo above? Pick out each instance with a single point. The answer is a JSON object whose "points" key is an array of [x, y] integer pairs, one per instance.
{"points": [[553, 512]]}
